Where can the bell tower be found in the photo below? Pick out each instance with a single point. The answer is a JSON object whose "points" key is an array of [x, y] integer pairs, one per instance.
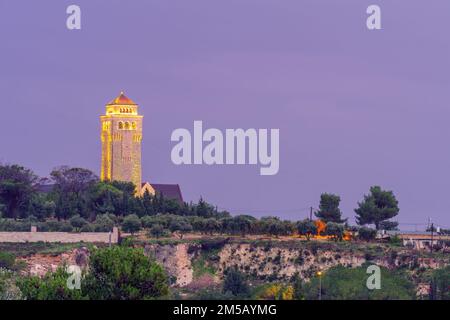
{"points": [[121, 135]]}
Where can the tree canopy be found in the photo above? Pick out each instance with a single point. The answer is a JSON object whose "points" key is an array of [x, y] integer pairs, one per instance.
{"points": [[329, 208], [377, 207]]}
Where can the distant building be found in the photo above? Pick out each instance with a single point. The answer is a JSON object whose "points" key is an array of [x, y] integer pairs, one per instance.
{"points": [[168, 191], [417, 239]]}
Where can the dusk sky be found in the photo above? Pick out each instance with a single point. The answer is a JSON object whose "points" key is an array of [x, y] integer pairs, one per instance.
{"points": [[355, 108]]}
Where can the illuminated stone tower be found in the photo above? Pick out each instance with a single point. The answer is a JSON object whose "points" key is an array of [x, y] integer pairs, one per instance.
{"points": [[121, 137]]}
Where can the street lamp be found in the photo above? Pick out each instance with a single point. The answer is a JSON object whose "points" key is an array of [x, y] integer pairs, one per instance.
{"points": [[319, 274]]}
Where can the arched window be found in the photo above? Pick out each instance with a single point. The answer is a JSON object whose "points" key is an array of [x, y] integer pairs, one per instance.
{"points": [[127, 125], [120, 125], [133, 125]]}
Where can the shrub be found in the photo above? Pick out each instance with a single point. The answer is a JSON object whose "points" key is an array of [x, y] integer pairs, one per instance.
{"points": [[335, 230], [8, 288], [148, 221], [235, 283], [122, 273], [395, 241], [131, 224], [7, 260], [53, 286], [367, 234], [103, 223], [157, 231], [77, 222], [52, 226], [66, 227], [87, 228]]}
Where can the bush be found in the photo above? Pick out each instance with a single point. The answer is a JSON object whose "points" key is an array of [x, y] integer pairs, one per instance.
{"points": [[234, 282], [148, 221], [8, 288], [7, 260], [53, 286], [131, 224], [396, 241], [77, 222], [87, 228], [122, 273], [103, 223], [53, 226], [367, 234], [335, 230], [157, 231], [11, 225], [66, 227]]}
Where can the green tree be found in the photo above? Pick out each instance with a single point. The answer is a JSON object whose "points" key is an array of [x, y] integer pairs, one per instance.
{"points": [[71, 192], [366, 234], [77, 222], [128, 203], [306, 228], [376, 207], [147, 204], [104, 196], [204, 209], [131, 224], [180, 225], [329, 208], [123, 273], [298, 284], [235, 282], [243, 224], [211, 225], [157, 230], [16, 190], [104, 223], [389, 225], [41, 207], [335, 230]]}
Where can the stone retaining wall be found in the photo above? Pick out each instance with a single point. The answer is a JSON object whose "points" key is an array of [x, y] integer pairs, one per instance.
{"points": [[62, 237]]}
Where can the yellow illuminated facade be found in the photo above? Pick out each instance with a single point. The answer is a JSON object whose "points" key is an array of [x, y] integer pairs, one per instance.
{"points": [[121, 135]]}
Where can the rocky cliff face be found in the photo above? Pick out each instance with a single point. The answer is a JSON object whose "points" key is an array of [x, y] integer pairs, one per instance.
{"points": [[196, 264], [40, 264], [278, 262]]}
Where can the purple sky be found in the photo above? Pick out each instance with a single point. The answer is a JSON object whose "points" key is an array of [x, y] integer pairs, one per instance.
{"points": [[355, 107]]}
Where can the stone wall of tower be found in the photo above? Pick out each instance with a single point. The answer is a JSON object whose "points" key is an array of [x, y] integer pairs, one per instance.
{"points": [[126, 151]]}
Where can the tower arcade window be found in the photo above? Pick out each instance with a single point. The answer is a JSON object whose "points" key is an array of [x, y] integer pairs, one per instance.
{"points": [[120, 125]]}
